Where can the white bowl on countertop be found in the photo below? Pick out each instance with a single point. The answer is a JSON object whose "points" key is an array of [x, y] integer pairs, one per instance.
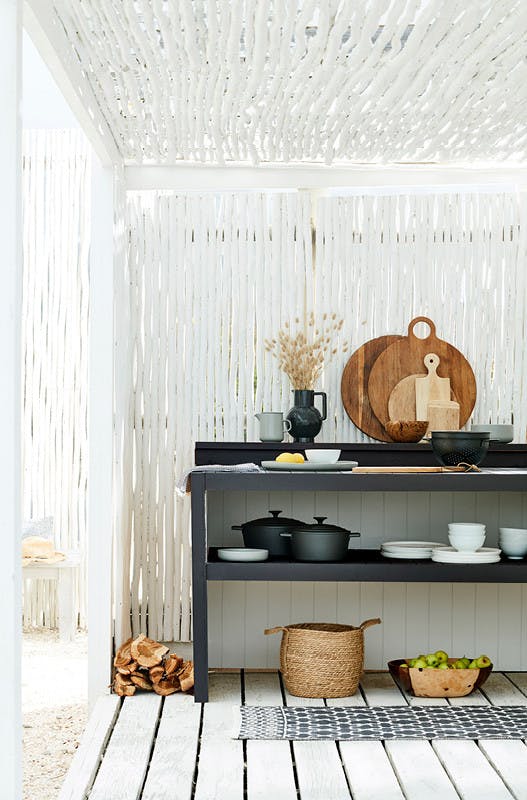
{"points": [[466, 542], [498, 433], [323, 456]]}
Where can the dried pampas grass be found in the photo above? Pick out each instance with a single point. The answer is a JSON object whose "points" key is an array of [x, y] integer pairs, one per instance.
{"points": [[302, 356]]}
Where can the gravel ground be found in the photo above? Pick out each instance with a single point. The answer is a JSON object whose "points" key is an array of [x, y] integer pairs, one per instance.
{"points": [[54, 708]]}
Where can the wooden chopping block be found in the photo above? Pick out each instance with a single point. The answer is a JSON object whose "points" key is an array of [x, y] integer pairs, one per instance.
{"points": [[430, 388], [401, 403], [405, 357], [354, 386], [397, 470], [443, 416]]}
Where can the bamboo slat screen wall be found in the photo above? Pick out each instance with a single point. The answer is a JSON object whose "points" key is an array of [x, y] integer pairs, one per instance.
{"points": [[56, 230], [213, 275]]}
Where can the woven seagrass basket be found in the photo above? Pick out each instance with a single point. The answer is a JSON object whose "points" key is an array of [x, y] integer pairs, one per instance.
{"points": [[322, 659]]}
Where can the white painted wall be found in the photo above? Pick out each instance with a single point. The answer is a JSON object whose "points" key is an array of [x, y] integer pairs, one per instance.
{"points": [[10, 369]]}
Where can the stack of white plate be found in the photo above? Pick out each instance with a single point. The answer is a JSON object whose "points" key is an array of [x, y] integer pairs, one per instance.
{"points": [[406, 549], [449, 555]]}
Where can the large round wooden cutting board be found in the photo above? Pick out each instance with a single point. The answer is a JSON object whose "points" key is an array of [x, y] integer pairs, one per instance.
{"points": [[405, 357], [354, 386]]}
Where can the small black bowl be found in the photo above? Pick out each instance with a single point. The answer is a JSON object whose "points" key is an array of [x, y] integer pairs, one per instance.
{"points": [[455, 447]]}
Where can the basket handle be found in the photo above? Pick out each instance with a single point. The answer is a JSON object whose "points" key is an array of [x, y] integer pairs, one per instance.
{"points": [[368, 622], [268, 631]]}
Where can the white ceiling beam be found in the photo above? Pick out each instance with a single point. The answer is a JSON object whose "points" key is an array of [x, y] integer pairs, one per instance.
{"points": [[48, 37], [196, 177]]}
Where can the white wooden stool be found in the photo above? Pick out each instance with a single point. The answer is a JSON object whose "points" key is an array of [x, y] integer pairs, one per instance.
{"points": [[63, 572]]}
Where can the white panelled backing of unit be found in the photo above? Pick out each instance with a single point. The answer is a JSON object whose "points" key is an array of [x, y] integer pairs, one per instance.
{"points": [[462, 618], [212, 275]]}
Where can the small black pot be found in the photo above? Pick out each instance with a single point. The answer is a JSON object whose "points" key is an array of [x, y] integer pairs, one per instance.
{"points": [[320, 542], [266, 533]]}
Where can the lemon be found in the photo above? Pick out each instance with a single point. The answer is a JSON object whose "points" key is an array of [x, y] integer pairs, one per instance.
{"points": [[299, 458], [289, 457]]}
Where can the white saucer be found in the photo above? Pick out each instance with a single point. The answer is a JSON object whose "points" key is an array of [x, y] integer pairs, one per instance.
{"points": [[449, 555], [242, 554]]}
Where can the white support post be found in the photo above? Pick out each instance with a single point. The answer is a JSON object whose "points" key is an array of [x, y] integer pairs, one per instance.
{"points": [[100, 433], [10, 401]]}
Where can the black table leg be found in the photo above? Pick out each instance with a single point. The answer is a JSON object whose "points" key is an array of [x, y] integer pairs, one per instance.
{"points": [[199, 590]]}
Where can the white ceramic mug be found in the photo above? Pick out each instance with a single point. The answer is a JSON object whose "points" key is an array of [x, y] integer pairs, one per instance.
{"points": [[272, 425]]}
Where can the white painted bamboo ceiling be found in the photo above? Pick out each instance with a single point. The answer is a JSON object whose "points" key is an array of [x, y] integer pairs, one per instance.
{"points": [[287, 81]]}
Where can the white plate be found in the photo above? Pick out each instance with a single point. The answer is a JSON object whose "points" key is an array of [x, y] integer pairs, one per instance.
{"points": [[310, 466], [242, 554], [407, 544], [408, 554], [448, 555]]}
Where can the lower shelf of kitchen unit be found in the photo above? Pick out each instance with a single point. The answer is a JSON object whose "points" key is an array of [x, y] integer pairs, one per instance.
{"points": [[365, 565]]}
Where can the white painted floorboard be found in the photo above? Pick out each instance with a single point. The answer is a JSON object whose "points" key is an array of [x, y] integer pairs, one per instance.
{"points": [[269, 764], [174, 758], [125, 761], [147, 750], [220, 766]]}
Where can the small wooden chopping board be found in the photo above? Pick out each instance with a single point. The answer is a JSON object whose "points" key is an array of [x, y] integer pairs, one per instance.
{"points": [[394, 470], [354, 386], [405, 357]]}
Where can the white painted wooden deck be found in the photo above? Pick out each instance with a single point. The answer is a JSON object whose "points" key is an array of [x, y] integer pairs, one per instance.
{"points": [[146, 748]]}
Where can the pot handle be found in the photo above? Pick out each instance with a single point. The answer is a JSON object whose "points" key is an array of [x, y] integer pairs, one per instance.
{"points": [[324, 397], [368, 622], [236, 527], [269, 631], [354, 533]]}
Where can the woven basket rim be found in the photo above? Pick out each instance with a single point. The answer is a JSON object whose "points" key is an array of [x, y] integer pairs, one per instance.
{"points": [[321, 627]]}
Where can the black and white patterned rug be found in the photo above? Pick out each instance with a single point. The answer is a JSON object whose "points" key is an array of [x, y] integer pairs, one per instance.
{"points": [[386, 722]]}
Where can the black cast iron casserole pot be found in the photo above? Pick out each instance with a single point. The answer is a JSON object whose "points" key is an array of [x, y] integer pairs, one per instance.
{"points": [[320, 542], [266, 533]]}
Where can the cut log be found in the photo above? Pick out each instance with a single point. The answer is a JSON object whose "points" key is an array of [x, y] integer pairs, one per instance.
{"points": [[123, 686], [124, 655], [186, 676], [140, 679], [147, 652], [167, 686]]}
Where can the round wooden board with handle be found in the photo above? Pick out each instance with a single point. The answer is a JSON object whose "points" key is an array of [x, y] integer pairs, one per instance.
{"points": [[354, 386], [405, 357]]}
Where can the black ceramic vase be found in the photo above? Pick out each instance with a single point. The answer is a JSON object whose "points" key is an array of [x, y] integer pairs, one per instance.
{"points": [[305, 418]]}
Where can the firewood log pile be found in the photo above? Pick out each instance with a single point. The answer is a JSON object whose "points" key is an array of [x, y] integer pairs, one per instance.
{"points": [[143, 663]]}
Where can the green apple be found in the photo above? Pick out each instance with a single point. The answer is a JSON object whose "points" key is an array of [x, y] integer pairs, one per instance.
{"points": [[483, 661], [431, 660], [420, 663], [411, 662], [443, 665], [460, 664], [441, 656], [473, 664]]}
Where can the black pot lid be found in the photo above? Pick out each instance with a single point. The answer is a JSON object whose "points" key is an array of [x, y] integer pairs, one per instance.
{"points": [[320, 527], [274, 521]]}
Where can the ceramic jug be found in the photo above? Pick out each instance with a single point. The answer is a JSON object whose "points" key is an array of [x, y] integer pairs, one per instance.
{"points": [[306, 420], [272, 425]]}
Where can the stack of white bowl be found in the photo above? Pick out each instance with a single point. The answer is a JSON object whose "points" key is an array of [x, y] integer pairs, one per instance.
{"points": [[513, 542], [466, 537]]}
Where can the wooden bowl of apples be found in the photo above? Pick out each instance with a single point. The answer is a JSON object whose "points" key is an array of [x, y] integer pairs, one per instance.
{"points": [[437, 675]]}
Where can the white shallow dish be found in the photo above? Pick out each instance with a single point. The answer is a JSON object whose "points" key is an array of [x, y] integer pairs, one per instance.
{"points": [[409, 550], [242, 554], [408, 554], [407, 544], [310, 466], [448, 555]]}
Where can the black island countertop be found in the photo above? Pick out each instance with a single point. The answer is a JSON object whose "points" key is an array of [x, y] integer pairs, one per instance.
{"points": [[366, 453]]}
